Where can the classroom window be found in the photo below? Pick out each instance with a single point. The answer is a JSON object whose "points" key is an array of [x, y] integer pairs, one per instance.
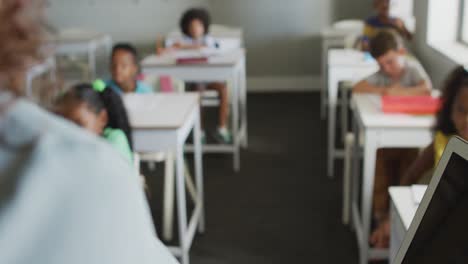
{"points": [[446, 30]]}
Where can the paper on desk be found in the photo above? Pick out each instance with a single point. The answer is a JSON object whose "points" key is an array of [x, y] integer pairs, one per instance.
{"points": [[201, 53], [418, 192]]}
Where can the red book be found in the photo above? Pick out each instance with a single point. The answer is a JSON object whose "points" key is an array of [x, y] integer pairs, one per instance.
{"points": [[417, 105], [194, 60]]}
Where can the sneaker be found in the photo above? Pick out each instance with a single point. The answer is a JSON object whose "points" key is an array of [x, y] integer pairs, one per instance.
{"points": [[223, 135]]}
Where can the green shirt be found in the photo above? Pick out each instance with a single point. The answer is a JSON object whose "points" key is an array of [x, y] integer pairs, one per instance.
{"points": [[119, 141]]}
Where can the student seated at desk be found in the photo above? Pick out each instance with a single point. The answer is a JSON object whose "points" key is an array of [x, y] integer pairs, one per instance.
{"points": [[101, 111], [124, 69], [195, 25], [383, 21], [398, 75], [452, 119]]}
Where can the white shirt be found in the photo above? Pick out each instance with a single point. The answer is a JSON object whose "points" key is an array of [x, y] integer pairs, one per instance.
{"points": [[67, 197], [207, 41]]}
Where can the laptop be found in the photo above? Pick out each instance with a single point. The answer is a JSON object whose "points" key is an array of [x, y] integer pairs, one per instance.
{"points": [[439, 231]]}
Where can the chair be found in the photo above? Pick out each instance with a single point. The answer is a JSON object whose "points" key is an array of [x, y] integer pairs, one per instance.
{"points": [[352, 28]]}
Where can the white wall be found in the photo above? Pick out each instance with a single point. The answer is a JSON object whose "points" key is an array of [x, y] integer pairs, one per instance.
{"points": [[282, 38], [138, 21]]}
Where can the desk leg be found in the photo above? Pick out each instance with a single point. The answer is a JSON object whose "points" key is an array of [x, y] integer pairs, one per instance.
{"points": [[92, 61], [168, 213], [181, 204], [199, 171], [332, 97], [109, 47], [235, 121], [243, 102], [344, 112], [394, 241], [356, 168], [323, 89], [370, 153]]}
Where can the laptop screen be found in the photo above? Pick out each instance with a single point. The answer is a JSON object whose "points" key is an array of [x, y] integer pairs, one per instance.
{"points": [[442, 236]]}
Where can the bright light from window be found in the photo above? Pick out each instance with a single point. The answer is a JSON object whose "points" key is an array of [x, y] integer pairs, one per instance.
{"points": [[464, 26]]}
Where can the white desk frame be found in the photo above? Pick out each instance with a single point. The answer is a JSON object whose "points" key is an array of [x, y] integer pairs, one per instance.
{"points": [[330, 39], [344, 65], [402, 212], [220, 68], [47, 66], [85, 43], [379, 131], [167, 134]]}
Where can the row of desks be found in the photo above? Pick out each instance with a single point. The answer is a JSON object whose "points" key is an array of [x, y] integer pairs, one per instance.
{"points": [[376, 129], [163, 122]]}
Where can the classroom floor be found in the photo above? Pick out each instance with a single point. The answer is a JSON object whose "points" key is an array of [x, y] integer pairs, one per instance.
{"points": [[281, 208]]}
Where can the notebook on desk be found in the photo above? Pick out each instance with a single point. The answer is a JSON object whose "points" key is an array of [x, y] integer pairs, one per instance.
{"points": [[416, 105], [439, 231]]}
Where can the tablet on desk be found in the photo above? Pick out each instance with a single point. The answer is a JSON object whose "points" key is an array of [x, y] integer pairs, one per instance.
{"points": [[439, 231]]}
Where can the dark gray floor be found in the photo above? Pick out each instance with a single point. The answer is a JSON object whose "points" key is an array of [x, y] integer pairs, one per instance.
{"points": [[280, 208]]}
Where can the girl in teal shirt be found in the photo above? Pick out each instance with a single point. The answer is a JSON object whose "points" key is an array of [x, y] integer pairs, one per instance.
{"points": [[100, 110]]}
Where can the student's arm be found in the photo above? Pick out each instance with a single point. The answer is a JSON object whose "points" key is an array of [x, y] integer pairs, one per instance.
{"points": [[119, 141], [421, 165], [188, 47], [365, 86], [422, 88], [400, 26], [160, 46]]}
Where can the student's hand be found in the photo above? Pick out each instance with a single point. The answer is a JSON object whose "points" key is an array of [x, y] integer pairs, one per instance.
{"points": [[195, 47], [399, 24], [161, 51], [177, 45], [380, 238], [396, 90]]}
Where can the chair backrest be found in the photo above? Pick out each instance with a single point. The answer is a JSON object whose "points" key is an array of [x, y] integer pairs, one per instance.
{"points": [[353, 29], [350, 25], [154, 81]]}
